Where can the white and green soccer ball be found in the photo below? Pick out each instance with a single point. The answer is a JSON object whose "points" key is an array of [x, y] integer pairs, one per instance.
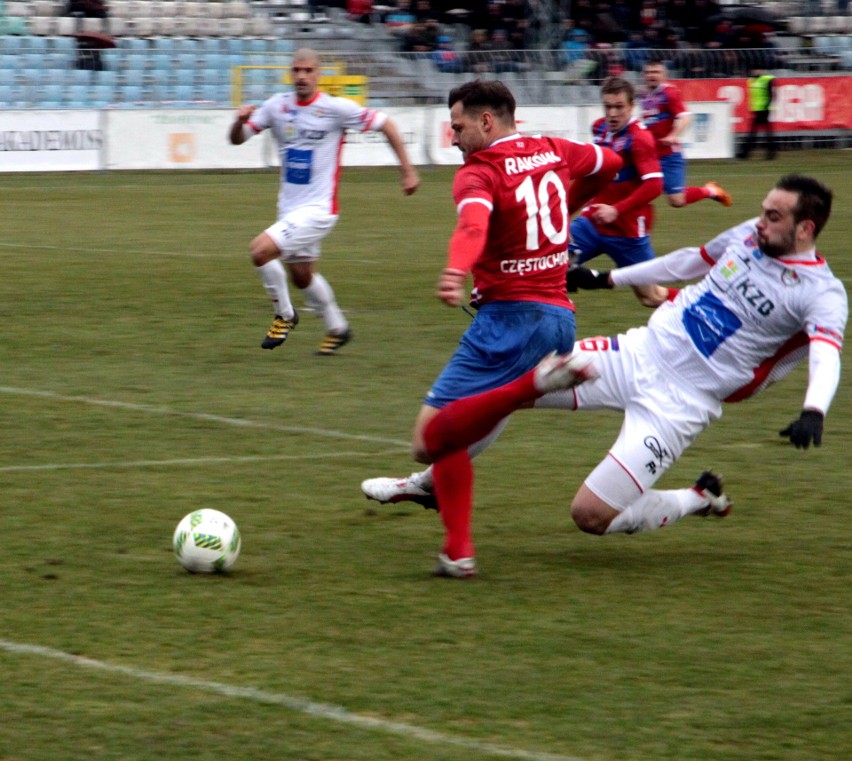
{"points": [[206, 541]]}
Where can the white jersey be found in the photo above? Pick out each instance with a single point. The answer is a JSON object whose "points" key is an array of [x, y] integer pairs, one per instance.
{"points": [[750, 320], [310, 140]]}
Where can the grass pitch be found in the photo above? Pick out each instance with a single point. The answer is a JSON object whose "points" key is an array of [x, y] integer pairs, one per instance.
{"points": [[133, 390]]}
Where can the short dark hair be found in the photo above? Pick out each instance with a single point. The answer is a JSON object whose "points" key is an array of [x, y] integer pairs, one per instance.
{"points": [[486, 95], [814, 199], [655, 61], [616, 85]]}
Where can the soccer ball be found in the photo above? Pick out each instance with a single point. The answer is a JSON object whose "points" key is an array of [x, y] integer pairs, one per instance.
{"points": [[206, 541]]}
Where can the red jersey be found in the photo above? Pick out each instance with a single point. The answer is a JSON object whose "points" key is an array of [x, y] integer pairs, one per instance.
{"points": [[660, 108], [635, 145], [523, 183]]}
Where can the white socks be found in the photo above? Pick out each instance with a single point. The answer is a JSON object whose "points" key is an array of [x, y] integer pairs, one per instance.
{"points": [[656, 509], [319, 297], [274, 279]]}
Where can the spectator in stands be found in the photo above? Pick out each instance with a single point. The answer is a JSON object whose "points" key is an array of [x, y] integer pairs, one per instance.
{"points": [[575, 43], [478, 55], [88, 50], [400, 17], [360, 10], [420, 37], [761, 93], [636, 51], [445, 58]]}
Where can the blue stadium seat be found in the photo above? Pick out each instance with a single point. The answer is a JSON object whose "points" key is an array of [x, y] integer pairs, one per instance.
{"points": [[105, 78], [9, 61], [62, 44], [135, 77], [34, 44], [102, 95], [129, 94], [188, 45], [7, 76], [211, 45], [53, 94], [77, 77], [11, 44], [77, 96], [214, 94], [133, 43], [164, 44], [235, 45]]}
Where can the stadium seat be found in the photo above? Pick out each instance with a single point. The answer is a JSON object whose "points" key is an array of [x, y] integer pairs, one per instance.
{"points": [[233, 27], [77, 96], [213, 94], [130, 94], [102, 95], [18, 9], [7, 76], [8, 61], [42, 25], [34, 44], [211, 45], [10, 44], [237, 9], [65, 27], [46, 8], [61, 44]]}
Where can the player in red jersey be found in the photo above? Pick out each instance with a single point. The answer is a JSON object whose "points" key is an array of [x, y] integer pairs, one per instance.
{"points": [[667, 117], [514, 195], [618, 220]]}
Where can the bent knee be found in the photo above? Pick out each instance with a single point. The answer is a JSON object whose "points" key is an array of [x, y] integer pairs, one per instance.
{"points": [[592, 519], [263, 250]]}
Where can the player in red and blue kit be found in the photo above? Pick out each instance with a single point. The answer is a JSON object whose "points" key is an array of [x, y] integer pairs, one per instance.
{"points": [[618, 220], [514, 195], [666, 116]]}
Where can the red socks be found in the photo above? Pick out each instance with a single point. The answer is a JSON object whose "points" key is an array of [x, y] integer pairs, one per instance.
{"points": [[453, 479], [693, 195], [467, 420]]}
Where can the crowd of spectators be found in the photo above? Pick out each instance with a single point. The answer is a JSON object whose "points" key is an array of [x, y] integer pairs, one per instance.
{"points": [[696, 37]]}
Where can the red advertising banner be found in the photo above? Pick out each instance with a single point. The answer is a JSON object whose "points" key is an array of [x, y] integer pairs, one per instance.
{"points": [[801, 103]]}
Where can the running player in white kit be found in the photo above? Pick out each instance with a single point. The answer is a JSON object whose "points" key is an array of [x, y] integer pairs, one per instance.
{"points": [[766, 301], [309, 127]]}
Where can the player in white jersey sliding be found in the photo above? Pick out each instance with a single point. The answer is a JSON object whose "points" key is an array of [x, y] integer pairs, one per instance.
{"points": [[766, 301], [309, 127]]}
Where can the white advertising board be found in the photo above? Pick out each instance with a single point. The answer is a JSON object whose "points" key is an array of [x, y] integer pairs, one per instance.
{"points": [[177, 139], [50, 141], [198, 139]]}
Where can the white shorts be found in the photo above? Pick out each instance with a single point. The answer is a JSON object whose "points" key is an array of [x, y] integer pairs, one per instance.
{"points": [[661, 418], [298, 233]]}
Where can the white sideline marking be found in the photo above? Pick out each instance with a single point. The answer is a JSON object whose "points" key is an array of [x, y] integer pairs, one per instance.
{"points": [[234, 421], [326, 711], [179, 461]]}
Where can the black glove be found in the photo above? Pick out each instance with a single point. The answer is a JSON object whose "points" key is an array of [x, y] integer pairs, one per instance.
{"points": [[587, 279], [806, 429]]}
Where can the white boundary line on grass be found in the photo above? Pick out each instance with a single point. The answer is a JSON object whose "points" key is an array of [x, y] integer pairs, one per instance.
{"points": [[326, 711], [179, 461], [233, 421]]}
